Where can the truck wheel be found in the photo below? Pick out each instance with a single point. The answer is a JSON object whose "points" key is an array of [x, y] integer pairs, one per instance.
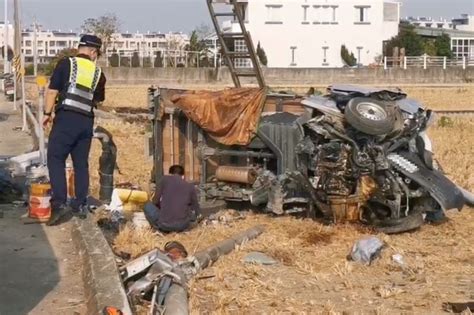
{"points": [[369, 116], [410, 223]]}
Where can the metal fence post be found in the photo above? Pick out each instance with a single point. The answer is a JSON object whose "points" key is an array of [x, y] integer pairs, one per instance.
{"points": [[445, 61], [424, 61], [385, 62], [464, 62], [40, 122], [405, 62]]}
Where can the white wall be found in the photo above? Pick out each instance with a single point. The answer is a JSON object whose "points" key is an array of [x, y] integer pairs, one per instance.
{"points": [[309, 37], [469, 27]]}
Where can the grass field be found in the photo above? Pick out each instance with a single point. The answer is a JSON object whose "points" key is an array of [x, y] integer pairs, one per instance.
{"points": [[442, 98], [313, 275]]}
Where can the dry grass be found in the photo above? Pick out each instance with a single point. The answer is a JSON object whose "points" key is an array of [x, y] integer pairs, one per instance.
{"points": [[130, 141], [441, 98]]}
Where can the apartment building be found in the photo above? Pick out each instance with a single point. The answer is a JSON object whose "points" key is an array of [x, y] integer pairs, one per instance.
{"points": [[310, 33], [50, 43]]}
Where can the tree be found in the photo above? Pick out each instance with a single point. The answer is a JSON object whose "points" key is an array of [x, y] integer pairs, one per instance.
{"points": [[135, 60], [348, 58], [407, 38], [262, 56], [104, 27], [114, 59], [443, 46], [198, 47], [68, 52], [429, 47]]}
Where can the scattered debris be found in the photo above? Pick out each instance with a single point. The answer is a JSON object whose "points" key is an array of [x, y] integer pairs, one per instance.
{"points": [[159, 278], [398, 259], [366, 250], [259, 259], [224, 217]]}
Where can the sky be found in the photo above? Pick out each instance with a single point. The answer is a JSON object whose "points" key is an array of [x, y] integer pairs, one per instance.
{"points": [[176, 15]]}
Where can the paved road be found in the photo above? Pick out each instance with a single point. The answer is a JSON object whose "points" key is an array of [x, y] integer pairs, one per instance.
{"points": [[40, 272]]}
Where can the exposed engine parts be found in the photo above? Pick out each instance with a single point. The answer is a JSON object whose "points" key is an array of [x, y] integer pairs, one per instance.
{"points": [[355, 154]]}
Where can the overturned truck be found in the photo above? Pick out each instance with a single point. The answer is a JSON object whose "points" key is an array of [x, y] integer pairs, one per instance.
{"points": [[354, 154]]}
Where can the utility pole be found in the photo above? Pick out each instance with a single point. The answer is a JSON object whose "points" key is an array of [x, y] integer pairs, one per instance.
{"points": [[35, 47], [16, 17], [5, 45]]}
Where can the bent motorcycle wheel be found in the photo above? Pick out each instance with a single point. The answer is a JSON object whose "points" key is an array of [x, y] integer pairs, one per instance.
{"points": [[410, 223], [369, 116]]}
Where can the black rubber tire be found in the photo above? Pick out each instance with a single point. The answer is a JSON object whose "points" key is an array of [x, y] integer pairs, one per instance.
{"points": [[410, 223], [385, 124], [212, 206]]}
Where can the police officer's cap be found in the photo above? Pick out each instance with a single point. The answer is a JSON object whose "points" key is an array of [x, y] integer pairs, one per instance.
{"points": [[90, 41]]}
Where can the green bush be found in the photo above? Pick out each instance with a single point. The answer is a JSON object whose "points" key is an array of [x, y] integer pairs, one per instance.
{"points": [[135, 60], [114, 60]]}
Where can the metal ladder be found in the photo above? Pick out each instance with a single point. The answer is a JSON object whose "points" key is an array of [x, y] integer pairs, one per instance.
{"points": [[236, 13]]}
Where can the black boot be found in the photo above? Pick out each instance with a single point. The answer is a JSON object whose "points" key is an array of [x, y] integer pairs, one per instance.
{"points": [[57, 213], [81, 212]]}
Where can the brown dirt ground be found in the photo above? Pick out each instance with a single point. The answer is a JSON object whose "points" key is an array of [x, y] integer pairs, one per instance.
{"points": [[313, 275]]}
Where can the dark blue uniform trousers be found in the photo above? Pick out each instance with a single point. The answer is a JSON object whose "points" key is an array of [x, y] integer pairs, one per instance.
{"points": [[71, 134]]}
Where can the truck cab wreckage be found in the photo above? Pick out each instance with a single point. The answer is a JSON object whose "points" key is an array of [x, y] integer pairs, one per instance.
{"points": [[355, 154]]}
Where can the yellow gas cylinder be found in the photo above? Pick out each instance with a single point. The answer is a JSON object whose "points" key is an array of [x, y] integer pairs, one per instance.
{"points": [[132, 200], [39, 202]]}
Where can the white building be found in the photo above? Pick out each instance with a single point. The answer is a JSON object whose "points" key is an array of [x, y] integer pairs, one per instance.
{"points": [[147, 44], [10, 35], [310, 33], [50, 43], [465, 23], [440, 23]]}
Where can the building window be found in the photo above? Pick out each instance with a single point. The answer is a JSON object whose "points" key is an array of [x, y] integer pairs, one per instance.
{"points": [[274, 14], [362, 14], [325, 55], [240, 46], [52, 43], [325, 14], [154, 44], [293, 63], [28, 51], [305, 14], [40, 43], [28, 43], [52, 52], [40, 51], [463, 48]]}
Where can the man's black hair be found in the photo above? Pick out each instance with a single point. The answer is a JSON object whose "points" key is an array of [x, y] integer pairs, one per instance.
{"points": [[176, 170]]}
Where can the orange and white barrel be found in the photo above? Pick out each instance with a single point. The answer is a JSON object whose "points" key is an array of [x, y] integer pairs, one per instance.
{"points": [[39, 202]]}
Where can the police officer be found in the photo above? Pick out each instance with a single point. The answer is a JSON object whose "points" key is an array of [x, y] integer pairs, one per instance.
{"points": [[76, 87]]}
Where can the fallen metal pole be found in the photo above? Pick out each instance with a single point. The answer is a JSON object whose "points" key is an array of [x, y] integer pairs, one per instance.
{"points": [[176, 301], [211, 254]]}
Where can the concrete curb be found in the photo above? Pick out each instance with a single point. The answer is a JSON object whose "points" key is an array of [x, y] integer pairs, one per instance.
{"points": [[102, 284]]}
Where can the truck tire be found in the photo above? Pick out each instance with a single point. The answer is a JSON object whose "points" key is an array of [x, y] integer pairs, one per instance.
{"points": [[369, 116], [410, 223]]}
